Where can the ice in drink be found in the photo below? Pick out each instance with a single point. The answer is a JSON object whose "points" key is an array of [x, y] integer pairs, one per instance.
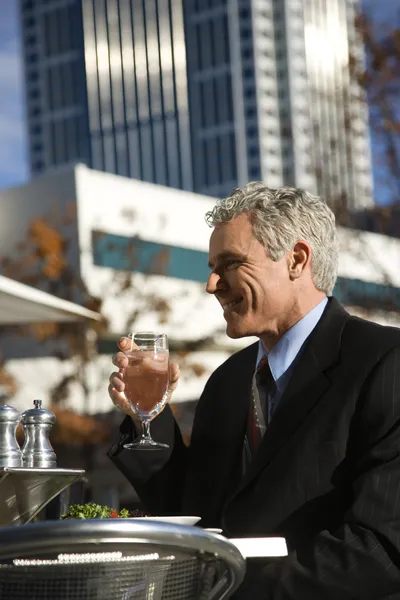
{"points": [[146, 380]]}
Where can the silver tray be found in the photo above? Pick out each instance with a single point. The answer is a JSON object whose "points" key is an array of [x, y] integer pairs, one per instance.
{"points": [[24, 492]]}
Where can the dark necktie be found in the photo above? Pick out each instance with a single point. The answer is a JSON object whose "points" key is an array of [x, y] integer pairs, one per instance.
{"points": [[258, 410]]}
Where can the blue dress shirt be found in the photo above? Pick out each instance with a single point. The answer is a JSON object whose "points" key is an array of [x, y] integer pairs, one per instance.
{"points": [[282, 357]]}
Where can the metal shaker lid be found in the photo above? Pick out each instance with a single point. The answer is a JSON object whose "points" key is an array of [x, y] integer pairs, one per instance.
{"points": [[9, 413], [38, 414]]}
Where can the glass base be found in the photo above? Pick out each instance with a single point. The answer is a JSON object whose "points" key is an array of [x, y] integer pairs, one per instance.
{"points": [[145, 444]]}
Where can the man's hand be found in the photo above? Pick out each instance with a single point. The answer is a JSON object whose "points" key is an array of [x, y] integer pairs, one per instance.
{"points": [[117, 384]]}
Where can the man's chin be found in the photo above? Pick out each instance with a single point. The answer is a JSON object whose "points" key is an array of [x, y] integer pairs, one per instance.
{"points": [[236, 332]]}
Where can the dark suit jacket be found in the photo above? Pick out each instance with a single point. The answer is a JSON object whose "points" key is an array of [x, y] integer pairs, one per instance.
{"points": [[326, 476]]}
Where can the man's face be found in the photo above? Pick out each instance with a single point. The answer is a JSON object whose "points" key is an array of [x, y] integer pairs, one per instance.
{"points": [[254, 291]]}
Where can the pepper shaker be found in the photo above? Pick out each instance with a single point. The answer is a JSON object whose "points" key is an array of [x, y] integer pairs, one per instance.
{"points": [[37, 451], [10, 452]]}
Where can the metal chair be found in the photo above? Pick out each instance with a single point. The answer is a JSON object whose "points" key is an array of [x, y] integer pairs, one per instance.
{"points": [[116, 559]]}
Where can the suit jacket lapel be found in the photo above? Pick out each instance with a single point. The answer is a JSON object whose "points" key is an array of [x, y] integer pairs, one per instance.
{"points": [[207, 489], [307, 385], [239, 397]]}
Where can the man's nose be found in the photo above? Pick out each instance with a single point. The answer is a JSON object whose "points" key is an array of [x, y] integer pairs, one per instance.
{"points": [[212, 283]]}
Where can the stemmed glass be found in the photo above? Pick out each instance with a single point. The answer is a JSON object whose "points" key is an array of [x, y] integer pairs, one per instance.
{"points": [[146, 382]]}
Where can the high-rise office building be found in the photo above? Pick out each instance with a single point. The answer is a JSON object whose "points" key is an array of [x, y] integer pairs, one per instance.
{"points": [[271, 97], [199, 94], [106, 85]]}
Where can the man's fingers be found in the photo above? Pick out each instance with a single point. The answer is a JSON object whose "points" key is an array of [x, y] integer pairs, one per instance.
{"points": [[126, 344], [117, 381], [120, 360], [119, 399], [174, 374]]}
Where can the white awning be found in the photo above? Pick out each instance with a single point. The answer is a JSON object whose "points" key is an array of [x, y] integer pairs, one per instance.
{"points": [[20, 303]]}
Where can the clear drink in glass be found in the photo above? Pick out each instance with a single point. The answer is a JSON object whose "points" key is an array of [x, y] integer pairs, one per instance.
{"points": [[146, 381]]}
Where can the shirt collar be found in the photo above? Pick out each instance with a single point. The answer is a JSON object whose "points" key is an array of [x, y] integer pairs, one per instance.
{"points": [[286, 349]]}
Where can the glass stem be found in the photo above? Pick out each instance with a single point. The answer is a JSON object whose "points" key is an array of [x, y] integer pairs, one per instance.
{"points": [[146, 430]]}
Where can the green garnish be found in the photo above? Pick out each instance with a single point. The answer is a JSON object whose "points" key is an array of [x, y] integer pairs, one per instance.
{"points": [[93, 511]]}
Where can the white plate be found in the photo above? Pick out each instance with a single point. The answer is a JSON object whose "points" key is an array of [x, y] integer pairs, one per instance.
{"points": [[261, 547], [213, 529], [175, 520]]}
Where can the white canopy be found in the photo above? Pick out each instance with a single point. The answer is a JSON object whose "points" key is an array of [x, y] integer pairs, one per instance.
{"points": [[20, 303]]}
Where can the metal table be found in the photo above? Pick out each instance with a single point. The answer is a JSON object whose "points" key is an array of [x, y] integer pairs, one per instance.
{"points": [[24, 492], [116, 559]]}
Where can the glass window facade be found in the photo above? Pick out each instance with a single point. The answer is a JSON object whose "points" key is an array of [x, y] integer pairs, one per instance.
{"points": [[107, 86], [136, 88], [193, 94], [210, 97], [55, 83]]}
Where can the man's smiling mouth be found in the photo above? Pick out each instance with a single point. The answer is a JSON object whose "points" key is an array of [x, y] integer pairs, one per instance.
{"points": [[228, 306]]}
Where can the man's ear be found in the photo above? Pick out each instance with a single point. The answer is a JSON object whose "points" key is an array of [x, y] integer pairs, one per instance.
{"points": [[298, 259]]}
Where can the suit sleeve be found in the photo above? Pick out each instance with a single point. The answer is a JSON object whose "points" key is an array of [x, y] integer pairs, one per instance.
{"points": [[157, 476], [160, 477], [361, 559]]}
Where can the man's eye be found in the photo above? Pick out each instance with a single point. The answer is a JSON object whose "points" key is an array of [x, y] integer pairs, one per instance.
{"points": [[232, 263]]}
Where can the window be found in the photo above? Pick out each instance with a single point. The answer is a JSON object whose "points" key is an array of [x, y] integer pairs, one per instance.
{"points": [[254, 173], [209, 103], [35, 112], [221, 40], [253, 152], [58, 139], [71, 139], [37, 147], [33, 76], [211, 152], [38, 165], [34, 94], [205, 37], [224, 99], [247, 53], [62, 28], [31, 40], [32, 58], [228, 157], [36, 130], [252, 132]]}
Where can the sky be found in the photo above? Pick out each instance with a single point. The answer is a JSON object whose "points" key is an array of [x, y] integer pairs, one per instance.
{"points": [[13, 145], [13, 141]]}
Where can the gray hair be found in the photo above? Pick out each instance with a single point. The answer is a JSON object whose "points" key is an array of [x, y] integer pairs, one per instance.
{"points": [[280, 218]]}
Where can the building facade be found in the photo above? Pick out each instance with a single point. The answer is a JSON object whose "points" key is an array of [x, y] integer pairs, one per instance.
{"points": [[106, 86], [201, 95], [271, 97]]}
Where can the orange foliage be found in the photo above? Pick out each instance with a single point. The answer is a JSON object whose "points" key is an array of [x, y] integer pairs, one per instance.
{"points": [[7, 381], [49, 245], [77, 430]]}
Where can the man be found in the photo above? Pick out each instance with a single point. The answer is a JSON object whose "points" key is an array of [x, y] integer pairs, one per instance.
{"points": [[307, 446]]}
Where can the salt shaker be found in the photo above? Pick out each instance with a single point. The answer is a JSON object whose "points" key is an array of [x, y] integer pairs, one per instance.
{"points": [[10, 452], [37, 452]]}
